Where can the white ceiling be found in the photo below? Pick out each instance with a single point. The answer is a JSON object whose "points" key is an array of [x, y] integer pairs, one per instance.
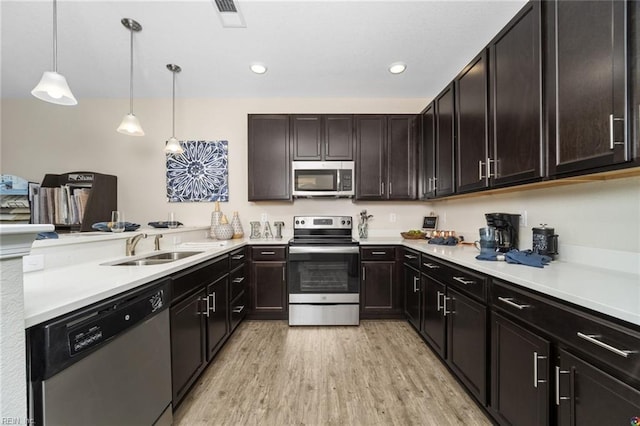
{"points": [[312, 48]]}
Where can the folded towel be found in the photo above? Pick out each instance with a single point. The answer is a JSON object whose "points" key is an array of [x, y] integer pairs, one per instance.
{"points": [[527, 257], [449, 241], [436, 240], [105, 226], [488, 255]]}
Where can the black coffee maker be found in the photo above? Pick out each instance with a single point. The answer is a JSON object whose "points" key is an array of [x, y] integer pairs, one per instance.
{"points": [[506, 225]]}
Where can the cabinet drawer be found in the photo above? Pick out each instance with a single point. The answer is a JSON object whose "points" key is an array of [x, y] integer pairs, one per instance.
{"points": [[198, 276], [411, 258], [469, 282], [599, 339], [269, 253], [239, 279], [377, 253], [237, 257]]}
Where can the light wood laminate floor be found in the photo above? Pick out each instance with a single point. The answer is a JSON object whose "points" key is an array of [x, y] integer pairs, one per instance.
{"points": [[380, 373]]}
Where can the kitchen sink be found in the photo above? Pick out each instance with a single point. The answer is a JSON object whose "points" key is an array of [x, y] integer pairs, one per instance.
{"points": [[154, 258]]}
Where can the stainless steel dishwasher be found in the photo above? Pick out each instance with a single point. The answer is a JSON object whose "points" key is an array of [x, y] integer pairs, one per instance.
{"points": [[107, 364]]}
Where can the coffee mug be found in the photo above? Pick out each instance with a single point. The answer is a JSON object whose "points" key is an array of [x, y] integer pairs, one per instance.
{"points": [[487, 240]]}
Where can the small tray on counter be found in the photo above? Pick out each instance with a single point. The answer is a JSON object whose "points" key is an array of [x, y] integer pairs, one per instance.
{"points": [[163, 224]]}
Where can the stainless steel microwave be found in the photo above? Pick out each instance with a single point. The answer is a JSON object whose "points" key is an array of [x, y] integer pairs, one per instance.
{"points": [[323, 178]]}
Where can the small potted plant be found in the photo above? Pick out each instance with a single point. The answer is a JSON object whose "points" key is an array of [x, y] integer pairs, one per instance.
{"points": [[363, 226]]}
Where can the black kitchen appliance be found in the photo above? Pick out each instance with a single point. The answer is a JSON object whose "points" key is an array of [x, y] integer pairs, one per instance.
{"points": [[324, 272], [545, 241], [506, 226]]}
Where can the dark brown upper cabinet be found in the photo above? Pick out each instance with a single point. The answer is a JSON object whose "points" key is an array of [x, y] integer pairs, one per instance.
{"points": [[472, 125], [586, 85], [269, 163], [515, 154], [427, 154], [322, 137], [444, 140], [386, 150]]}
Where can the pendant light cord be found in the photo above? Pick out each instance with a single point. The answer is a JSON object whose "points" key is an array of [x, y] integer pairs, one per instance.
{"points": [[131, 76], [173, 110], [55, 36]]}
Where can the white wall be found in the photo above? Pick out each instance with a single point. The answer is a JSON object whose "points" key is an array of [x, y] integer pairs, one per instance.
{"points": [[39, 138]]}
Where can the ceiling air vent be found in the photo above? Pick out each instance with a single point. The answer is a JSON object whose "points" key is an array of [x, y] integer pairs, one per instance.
{"points": [[229, 14]]}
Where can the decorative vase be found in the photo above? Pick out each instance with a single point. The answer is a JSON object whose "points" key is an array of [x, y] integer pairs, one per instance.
{"points": [[238, 232], [363, 230], [216, 216], [224, 231]]}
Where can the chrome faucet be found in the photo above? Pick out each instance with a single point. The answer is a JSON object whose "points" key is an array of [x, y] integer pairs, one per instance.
{"points": [[156, 242], [132, 242]]}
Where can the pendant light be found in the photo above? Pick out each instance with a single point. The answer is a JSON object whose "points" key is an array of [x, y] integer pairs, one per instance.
{"points": [[130, 124], [173, 145], [53, 87]]}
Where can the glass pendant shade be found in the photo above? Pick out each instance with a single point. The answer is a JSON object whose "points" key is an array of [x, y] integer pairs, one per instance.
{"points": [[130, 125], [53, 88], [173, 146]]}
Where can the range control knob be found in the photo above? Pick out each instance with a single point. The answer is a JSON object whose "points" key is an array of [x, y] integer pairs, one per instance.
{"points": [[302, 222], [297, 222], [343, 222], [348, 222]]}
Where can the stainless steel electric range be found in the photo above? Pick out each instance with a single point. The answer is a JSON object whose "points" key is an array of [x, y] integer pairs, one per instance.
{"points": [[323, 272]]}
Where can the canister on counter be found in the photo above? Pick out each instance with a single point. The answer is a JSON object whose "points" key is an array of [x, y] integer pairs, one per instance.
{"points": [[545, 241]]}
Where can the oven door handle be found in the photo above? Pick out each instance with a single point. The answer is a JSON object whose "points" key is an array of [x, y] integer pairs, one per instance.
{"points": [[323, 250]]}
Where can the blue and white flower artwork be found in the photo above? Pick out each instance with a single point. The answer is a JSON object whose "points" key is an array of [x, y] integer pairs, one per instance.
{"points": [[200, 173]]}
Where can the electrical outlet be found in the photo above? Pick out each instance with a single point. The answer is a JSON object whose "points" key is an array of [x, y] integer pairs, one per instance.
{"points": [[264, 217], [523, 218], [392, 217]]}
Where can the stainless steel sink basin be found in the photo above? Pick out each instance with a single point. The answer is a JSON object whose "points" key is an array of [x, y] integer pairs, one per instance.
{"points": [[154, 258]]}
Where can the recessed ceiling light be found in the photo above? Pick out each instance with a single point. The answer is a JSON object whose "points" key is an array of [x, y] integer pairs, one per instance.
{"points": [[397, 67], [259, 68]]}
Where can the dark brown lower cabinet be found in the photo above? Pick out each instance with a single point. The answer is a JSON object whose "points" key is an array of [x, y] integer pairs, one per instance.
{"points": [[433, 320], [466, 342], [378, 295], [188, 351], [269, 288], [520, 362], [217, 315], [586, 395]]}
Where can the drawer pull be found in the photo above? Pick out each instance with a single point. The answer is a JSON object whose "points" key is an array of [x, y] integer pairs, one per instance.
{"points": [[431, 265], [364, 274], [509, 301], [536, 357], [237, 257], [238, 280], [593, 338], [238, 309], [410, 256], [463, 281], [558, 397], [379, 252], [265, 253]]}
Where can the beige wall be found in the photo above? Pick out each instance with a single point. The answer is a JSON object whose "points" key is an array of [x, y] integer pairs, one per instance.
{"points": [[39, 138]]}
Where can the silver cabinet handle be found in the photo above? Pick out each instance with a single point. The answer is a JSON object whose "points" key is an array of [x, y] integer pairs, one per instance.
{"points": [[480, 176], [238, 280], [206, 312], [364, 274], [212, 307], [435, 187], [284, 277], [430, 265], [509, 301], [415, 282], [558, 397], [267, 253], [238, 309], [428, 185], [410, 256], [612, 141], [438, 306], [463, 281], [536, 357], [593, 338], [445, 298], [382, 188], [379, 252], [390, 188], [237, 256]]}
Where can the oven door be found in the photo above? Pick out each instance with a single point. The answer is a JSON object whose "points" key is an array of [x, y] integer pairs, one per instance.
{"points": [[324, 274]]}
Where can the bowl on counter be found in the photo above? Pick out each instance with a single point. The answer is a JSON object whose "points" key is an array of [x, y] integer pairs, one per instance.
{"points": [[413, 236]]}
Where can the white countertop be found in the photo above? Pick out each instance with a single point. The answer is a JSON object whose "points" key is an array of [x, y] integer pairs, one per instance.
{"points": [[616, 294], [56, 291]]}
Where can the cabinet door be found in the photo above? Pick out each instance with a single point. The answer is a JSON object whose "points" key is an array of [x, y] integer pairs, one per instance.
{"points": [[269, 162], [188, 351], [371, 136], [401, 158], [472, 119], [428, 154], [589, 396], [269, 287], [433, 316], [444, 184], [378, 292], [586, 61], [306, 137], [218, 316], [338, 137], [412, 295], [467, 342], [520, 375], [516, 100]]}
